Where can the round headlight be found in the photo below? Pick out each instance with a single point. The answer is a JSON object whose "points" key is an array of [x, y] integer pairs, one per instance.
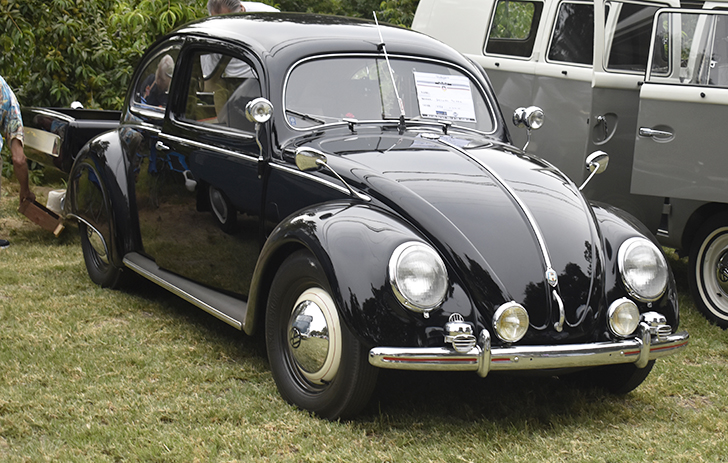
{"points": [[643, 268], [510, 322], [623, 316], [418, 276]]}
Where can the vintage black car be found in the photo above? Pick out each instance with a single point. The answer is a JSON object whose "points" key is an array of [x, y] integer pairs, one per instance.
{"points": [[350, 190]]}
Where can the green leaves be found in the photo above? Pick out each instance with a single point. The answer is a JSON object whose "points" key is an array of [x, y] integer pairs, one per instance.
{"points": [[58, 51]]}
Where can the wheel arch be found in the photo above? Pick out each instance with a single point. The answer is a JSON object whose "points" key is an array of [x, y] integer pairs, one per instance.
{"points": [[357, 272], [696, 221], [96, 194], [616, 227]]}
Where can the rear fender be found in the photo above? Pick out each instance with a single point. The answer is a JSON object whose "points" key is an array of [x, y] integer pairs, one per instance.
{"points": [[97, 193]]}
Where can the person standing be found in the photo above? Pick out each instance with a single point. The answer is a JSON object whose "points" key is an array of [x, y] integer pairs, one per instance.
{"points": [[11, 132]]}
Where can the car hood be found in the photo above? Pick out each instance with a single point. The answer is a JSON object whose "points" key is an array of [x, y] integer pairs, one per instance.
{"points": [[501, 219]]}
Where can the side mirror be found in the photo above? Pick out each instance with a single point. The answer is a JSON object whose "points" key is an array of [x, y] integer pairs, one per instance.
{"points": [[259, 110], [531, 118], [597, 163], [308, 159]]}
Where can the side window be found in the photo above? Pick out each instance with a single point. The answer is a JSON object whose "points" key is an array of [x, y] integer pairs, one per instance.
{"points": [[220, 86], [691, 49], [629, 46], [572, 40], [513, 29], [152, 89]]}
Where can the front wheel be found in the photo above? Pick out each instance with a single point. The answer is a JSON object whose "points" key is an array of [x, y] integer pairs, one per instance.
{"points": [[709, 270], [96, 256], [616, 379], [316, 362]]}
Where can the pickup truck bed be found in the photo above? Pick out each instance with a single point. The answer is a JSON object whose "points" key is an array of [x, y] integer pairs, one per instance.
{"points": [[54, 136]]}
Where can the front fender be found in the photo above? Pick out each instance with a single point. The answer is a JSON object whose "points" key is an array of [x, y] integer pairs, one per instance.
{"points": [[616, 227], [353, 243], [97, 192]]}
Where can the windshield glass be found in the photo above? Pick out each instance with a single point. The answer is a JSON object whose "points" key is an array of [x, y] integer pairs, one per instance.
{"points": [[328, 90]]}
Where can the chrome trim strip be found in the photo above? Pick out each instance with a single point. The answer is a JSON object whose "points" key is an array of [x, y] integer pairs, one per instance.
{"points": [[308, 176], [197, 144], [181, 293], [483, 359], [94, 229], [522, 205], [208, 128]]}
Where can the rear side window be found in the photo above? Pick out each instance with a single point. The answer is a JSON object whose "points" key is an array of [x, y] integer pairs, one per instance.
{"points": [[629, 47], [572, 40], [513, 29]]}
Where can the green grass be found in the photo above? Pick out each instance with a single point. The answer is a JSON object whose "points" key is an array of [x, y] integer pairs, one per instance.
{"points": [[90, 374]]}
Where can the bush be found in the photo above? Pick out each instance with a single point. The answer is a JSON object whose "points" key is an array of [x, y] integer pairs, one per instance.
{"points": [[59, 51]]}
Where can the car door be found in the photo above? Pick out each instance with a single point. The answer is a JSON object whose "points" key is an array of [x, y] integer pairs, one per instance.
{"points": [[680, 150], [623, 30], [203, 221]]}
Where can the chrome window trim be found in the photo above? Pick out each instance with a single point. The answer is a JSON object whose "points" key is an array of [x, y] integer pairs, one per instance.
{"points": [[449, 64], [176, 139], [189, 125]]}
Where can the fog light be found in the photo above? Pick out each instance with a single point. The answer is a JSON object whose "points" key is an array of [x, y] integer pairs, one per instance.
{"points": [[623, 316], [510, 322]]}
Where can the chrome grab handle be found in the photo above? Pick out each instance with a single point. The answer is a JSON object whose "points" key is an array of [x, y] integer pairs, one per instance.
{"points": [[647, 132]]}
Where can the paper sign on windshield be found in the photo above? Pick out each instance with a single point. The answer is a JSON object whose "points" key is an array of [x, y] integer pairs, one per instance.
{"points": [[444, 97]]}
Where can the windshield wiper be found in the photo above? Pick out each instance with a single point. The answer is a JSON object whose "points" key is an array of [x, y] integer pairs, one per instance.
{"points": [[306, 116]]}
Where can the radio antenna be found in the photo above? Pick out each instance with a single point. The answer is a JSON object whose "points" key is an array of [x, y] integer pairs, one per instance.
{"points": [[391, 74]]}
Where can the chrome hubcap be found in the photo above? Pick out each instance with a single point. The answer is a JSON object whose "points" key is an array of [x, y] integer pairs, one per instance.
{"points": [[721, 273], [314, 339], [98, 244]]}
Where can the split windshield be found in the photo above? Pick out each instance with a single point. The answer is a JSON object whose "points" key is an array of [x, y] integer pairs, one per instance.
{"points": [[329, 90]]}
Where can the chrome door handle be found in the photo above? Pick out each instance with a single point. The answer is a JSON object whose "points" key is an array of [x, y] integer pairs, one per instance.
{"points": [[647, 132]]}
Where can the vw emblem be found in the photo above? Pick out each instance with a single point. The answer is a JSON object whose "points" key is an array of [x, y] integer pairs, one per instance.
{"points": [[295, 338], [551, 277]]}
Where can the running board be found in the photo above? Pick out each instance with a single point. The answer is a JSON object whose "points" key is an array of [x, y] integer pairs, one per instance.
{"points": [[226, 308]]}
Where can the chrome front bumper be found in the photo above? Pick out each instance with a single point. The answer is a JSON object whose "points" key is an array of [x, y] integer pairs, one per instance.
{"points": [[483, 359]]}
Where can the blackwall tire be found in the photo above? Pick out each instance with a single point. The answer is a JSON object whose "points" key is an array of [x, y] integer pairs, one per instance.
{"points": [[708, 270], [616, 379], [339, 381], [99, 268]]}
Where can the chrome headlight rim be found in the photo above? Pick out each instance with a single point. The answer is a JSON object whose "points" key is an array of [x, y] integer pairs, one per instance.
{"points": [[503, 311], [397, 285], [615, 307], [628, 246]]}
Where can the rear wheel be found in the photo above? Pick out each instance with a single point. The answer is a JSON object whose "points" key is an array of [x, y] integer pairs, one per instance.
{"points": [[96, 256], [709, 270], [317, 363]]}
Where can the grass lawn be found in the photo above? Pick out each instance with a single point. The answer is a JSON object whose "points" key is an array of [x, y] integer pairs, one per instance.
{"points": [[90, 374]]}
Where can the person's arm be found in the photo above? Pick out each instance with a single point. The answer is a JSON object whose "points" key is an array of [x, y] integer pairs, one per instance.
{"points": [[20, 165]]}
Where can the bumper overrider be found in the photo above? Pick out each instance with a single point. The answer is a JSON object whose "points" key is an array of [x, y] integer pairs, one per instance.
{"points": [[651, 342]]}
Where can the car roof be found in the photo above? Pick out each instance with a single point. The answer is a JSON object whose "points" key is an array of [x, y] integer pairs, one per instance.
{"points": [[299, 33]]}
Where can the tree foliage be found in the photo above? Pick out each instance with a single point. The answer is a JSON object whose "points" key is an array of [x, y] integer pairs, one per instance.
{"points": [[58, 51]]}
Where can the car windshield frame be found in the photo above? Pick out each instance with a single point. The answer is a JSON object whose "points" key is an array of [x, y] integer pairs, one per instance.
{"points": [[295, 115]]}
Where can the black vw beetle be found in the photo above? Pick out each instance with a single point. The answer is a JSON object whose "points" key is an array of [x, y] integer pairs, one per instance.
{"points": [[351, 190]]}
